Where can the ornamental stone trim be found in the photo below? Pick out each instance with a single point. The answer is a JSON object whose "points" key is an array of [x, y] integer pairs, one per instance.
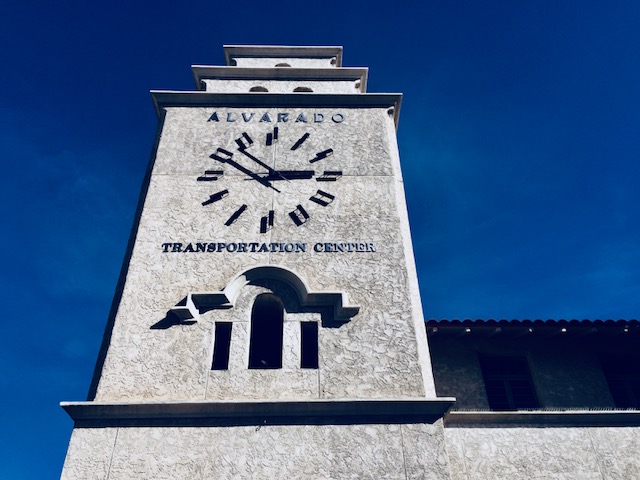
{"points": [[197, 302]]}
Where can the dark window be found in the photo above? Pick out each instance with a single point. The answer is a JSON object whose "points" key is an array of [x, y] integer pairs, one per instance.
{"points": [[302, 89], [309, 344], [508, 383], [265, 348], [258, 89], [221, 344], [282, 65], [623, 377]]}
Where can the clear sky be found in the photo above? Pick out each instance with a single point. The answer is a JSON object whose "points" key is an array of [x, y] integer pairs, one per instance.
{"points": [[519, 137]]}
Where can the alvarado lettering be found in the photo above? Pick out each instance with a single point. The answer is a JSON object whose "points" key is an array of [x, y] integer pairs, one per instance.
{"points": [[275, 247], [280, 117]]}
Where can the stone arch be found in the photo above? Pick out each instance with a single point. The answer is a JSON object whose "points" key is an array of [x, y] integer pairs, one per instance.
{"points": [[334, 304]]}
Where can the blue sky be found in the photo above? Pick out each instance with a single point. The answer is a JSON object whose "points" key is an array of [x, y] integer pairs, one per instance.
{"points": [[519, 137]]}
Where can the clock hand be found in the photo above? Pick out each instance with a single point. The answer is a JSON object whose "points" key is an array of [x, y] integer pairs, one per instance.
{"points": [[289, 175], [261, 163], [239, 167]]}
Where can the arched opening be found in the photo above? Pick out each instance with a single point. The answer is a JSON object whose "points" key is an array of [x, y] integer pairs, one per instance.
{"points": [[221, 346], [282, 65], [258, 89], [302, 89], [265, 347], [308, 344]]}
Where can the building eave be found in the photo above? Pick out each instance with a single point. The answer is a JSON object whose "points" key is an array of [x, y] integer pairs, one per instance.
{"points": [[203, 72]]}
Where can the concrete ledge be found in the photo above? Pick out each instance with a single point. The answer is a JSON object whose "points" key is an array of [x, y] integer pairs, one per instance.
{"points": [[165, 98], [543, 418], [227, 413], [284, 51], [206, 72]]}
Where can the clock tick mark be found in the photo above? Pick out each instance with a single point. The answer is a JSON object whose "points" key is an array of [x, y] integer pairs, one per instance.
{"points": [[266, 222], [227, 155], [244, 141], [329, 176], [272, 137], [322, 198], [299, 215], [235, 215], [215, 197], [322, 155], [210, 176], [300, 141]]}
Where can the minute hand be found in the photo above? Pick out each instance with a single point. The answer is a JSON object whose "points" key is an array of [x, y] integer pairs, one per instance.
{"points": [[246, 171], [262, 164]]}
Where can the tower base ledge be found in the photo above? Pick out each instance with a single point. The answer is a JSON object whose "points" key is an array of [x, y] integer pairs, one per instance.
{"points": [[260, 412]]}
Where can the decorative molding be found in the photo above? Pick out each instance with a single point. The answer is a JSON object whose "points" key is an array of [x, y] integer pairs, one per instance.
{"points": [[197, 302], [206, 72]]}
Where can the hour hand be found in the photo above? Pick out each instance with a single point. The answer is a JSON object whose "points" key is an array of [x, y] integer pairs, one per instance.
{"points": [[262, 164], [289, 175]]}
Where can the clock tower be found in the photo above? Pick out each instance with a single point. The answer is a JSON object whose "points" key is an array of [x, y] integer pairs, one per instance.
{"points": [[267, 321]]}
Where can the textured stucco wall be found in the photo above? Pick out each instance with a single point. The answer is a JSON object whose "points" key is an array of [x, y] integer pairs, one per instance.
{"points": [[417, 451], [283, 86], [282, 452], [604, 453], [380, 353]]}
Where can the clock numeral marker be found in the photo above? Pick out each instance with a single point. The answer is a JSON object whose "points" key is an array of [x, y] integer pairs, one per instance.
{"points": [[215, 197], [300, 141], [241, 141], [322, 155], [220, 158], [210, 175], [272, 137], [235, 215], [299, 215], [322, 198], [266, 222], [329, 176]]}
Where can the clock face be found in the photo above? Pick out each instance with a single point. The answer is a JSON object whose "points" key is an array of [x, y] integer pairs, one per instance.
{"points": [[282, 168]]}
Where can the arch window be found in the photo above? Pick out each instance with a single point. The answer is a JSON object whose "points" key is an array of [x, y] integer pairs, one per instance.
{"points": [[508, 383], [258, 88], [267, 322], [222, 342], [282, 65], [302, 89], [309, 345]]}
